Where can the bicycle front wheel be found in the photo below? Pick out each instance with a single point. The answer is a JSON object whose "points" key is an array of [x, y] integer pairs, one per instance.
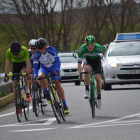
{"points": [[61, 107], [92, 100], [18, 103], [26, 110], [43, 107], [36, 101], [55, 105]]}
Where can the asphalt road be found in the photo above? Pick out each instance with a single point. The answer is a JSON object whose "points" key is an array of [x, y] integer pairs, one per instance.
{"points": [[119, 119]]}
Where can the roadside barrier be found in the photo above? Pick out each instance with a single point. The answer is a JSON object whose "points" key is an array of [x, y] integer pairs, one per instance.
{"points": [[8, 89]]}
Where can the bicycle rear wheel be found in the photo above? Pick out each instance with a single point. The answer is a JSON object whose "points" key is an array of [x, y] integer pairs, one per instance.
{"points": [[55, 105], [18, 103], [92, 100], [26, 110]]}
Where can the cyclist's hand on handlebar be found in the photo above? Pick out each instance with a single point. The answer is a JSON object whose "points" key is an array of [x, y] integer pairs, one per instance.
{"points": [[56, 72], [107, 45], [80, 78], [34, 79], [6, 78], [28, 75]]}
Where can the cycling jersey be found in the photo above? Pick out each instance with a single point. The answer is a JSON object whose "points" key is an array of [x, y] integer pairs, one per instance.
{"points": [[84, 52], [49, 60], [23, 55]]}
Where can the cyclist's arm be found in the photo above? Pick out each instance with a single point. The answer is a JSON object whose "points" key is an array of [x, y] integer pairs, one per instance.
{"points": [[27, 65], [35, 63], [57, 62], [27, 61], [7, 67], [79, 68], [101, 48]]}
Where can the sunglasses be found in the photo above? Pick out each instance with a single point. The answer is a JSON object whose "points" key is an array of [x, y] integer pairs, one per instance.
{"points": [[33, 48], [40, 48], [89, 45]]}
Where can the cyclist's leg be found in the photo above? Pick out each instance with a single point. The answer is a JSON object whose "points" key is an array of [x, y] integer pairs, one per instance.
{"points": [[28, 96], [97, 70], [42, 73], [87, 68], [56, 79]]}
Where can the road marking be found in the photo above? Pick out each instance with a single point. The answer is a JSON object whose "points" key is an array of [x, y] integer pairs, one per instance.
{"points": [[32, 123], [106, 125], [110, 121], [11, 113], [30, 130]]}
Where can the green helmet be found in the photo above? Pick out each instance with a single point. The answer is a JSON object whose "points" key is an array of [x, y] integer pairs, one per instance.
{"points": [[89, 40]]}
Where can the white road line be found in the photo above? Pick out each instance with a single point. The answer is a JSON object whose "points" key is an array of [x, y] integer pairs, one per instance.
{"points": [[111, 121], [30, 123], [106, 125], [27, 130], [11, 113]]}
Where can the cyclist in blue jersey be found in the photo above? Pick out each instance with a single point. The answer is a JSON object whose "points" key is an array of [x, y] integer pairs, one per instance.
{"points": [[50, 62]]}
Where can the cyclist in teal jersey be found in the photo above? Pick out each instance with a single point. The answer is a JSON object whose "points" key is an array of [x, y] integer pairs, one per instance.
{"points": [[20, 58], [90, 52]]}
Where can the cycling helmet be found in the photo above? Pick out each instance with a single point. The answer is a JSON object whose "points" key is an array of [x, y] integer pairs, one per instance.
{"points": [[89, 40], [40, 43], [32, 42], [15, 47]]}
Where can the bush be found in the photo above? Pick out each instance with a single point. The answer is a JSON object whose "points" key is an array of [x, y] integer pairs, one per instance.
{"points": [[3, 94]]}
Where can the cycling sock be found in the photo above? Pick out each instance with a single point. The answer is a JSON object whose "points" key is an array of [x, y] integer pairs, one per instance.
{"points": [[99, 96], [87, 87], [27, 89], [46, 91], [64, 103]]}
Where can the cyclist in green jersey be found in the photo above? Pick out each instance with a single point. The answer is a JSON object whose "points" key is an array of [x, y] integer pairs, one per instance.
{"points": [[20, 58], [90, 51]]}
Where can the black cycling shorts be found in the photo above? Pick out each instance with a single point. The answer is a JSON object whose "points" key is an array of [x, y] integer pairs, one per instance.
{"points": [[17, 67], [95, 64]]}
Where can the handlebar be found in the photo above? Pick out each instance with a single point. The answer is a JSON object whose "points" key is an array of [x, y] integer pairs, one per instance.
{"points": [[46, 77], [91, 73]]}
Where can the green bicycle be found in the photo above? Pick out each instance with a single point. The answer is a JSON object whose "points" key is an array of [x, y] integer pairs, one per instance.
{"points": [[92, 91]]}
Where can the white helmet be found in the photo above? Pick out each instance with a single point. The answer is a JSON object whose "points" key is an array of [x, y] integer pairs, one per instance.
{"points": [[32, 42]]}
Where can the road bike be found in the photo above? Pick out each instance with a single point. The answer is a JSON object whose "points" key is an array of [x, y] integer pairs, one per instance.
{"points": [[56, 101], [20, 101], [37, 99], [92, 91]]}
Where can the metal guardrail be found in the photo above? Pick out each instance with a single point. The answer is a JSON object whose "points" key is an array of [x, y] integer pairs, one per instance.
{"points": [[6, 87], [2, 75]]}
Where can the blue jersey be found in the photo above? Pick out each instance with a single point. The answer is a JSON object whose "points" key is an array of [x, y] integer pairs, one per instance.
{"points": [[49, 60]]}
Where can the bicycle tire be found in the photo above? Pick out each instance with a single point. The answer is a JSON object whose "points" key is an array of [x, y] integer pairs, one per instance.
{"points": [[26, 110], [92, 100], [43, 107], [35, 101], [55, 106], [61, 107], [18, 103]]}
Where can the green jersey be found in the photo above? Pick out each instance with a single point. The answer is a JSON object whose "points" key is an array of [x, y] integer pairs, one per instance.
{"points": [[84, 52], [23, 55]]}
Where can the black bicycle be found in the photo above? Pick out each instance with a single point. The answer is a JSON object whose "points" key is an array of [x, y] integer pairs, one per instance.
{"points": [[37, 99], [56, 101], [20, 101]]}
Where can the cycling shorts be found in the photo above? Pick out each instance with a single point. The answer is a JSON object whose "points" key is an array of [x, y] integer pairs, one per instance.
{"points": [[95, 64], [46, 71], [17, 67]]}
